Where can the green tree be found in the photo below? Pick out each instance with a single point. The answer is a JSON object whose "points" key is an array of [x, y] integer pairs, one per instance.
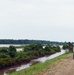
{"points": [[65, 46], [12, 51], [34, 47], [3, 50]]}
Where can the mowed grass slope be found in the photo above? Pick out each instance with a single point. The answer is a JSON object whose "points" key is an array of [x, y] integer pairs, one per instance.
{"points": [[40, 66]]}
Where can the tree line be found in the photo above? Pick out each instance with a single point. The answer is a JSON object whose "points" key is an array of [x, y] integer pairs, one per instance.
{"points": [[26, 41]]}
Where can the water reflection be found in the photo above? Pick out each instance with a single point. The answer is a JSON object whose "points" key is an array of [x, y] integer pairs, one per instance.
{"points": [[19, 49], [23, 67], [43, 59]]}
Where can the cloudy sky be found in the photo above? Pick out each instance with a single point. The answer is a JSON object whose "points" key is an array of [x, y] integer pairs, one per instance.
{"points": [[37, 19]]}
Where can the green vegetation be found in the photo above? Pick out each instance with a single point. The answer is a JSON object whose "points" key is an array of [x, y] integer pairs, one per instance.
{"points": [[68, 46], [65, 46], [26, 41], [40, 66], [9, 56], [12, 51]]}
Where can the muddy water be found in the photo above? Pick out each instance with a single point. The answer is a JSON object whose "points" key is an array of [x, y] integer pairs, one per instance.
{"points": [[20, 67]]}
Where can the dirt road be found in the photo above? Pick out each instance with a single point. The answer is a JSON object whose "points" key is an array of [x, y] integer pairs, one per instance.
{"points": [[61, 67]]}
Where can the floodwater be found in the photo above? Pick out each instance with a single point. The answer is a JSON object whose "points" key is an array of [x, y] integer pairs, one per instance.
{"points": [[19, 49], [42, 60], [7, 45]]}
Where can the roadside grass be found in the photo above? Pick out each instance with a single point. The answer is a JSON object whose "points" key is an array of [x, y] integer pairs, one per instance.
{"points": [[40, 66]]}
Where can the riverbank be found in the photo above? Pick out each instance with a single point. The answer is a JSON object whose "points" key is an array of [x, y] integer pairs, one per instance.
{"points": [[38, 68], [10, 57], [12, 62]]}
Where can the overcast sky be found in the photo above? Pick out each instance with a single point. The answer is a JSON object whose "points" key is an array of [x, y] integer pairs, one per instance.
{"points": [[37, 19]]}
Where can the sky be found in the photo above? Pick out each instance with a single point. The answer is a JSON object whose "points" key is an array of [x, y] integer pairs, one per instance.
{"points": [[51, 20]]}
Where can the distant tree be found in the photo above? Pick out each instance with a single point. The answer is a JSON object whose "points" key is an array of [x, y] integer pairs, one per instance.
{"points": [[26, 41]]}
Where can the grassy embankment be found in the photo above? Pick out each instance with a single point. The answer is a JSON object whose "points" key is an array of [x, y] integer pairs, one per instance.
{"points": [[40, 66]]}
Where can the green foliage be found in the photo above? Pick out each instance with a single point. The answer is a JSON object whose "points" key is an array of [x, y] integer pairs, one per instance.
{"points": [[4, 55], [9, 56], [38, 50], [40, 66], [57, 49], [3, 50], [65, 46], [33, 47], [52, 49], [12, 51], [26, 41], [68, 46], [21, 56]]}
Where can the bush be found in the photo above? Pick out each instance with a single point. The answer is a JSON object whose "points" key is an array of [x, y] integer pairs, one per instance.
{"points": [[3, 50], [3, 55], [12, 51], [32, 47], [65, 46], [10, 56]]}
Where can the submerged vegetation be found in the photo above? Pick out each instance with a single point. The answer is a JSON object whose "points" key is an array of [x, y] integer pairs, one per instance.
{"points": [[9, 56]]}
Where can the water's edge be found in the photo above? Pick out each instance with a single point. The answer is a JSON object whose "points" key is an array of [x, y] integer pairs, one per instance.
{"points": [[42, 59]]}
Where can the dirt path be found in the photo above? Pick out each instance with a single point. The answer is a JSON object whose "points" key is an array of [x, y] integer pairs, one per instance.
{"points": [[62, 67]]}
